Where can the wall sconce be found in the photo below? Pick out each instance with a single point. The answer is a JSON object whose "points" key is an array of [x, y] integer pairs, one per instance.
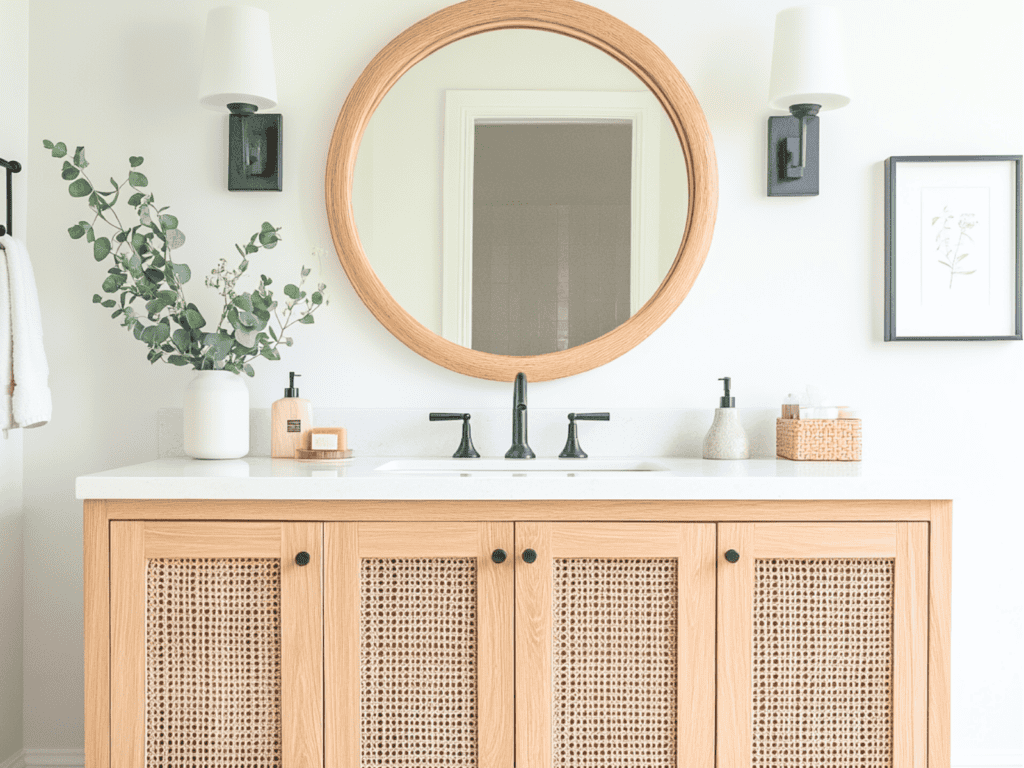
{"points": [[808, 75], [238, 73]]}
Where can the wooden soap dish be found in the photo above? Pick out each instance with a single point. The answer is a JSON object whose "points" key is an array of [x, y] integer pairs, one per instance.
{"points": [[303, 454]]}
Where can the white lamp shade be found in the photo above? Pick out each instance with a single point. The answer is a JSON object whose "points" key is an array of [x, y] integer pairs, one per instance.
{"points": [[238, 63], [809, 59]]}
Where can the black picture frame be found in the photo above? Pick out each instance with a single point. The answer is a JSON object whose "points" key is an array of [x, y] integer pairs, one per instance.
{"points": [[892, 165]]}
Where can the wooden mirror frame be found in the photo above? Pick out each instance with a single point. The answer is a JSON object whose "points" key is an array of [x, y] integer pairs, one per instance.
{"points": [[572, 19]]}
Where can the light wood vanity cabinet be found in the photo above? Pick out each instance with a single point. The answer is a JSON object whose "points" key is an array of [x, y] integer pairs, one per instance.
{"points": [[696, 634]]}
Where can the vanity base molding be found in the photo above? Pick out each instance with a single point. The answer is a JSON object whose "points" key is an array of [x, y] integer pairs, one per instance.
{"points": [[495, 593]]}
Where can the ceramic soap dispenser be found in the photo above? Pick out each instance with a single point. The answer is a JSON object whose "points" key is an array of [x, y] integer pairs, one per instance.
{"points": [[726, 438]]}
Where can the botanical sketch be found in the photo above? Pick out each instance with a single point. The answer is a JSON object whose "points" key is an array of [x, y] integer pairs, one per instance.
{"points": [[952, 246]]}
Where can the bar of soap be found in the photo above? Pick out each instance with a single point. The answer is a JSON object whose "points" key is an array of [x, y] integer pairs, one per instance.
{"points": [[327, 439], [324, 442]]}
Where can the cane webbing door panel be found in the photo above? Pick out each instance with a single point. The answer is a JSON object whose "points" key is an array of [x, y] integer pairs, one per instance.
{"points": [[216, 645], [822, 645], [615, 645], [419, 645]]}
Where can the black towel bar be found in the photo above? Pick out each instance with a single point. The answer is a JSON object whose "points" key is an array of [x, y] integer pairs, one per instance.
{"points": [[12, 166]]}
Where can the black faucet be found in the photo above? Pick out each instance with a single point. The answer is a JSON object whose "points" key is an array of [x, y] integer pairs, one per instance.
{"points": [[520, 448]]}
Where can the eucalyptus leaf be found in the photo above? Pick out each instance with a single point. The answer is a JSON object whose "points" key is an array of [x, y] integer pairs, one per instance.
{"points": [[317, 297], [135, 199], [182, 273], [47, 144], [69, 172], [135, 161], [246, 338], [100, 248], [194, 319], [307, 320], [59, 149], [96, 298], [76, 231], [137, 179], [79, 158], [243, 302], [113, 283], [248, 370], [174, 238], [178, 360], [292, 291], [109, 304], [79, 188], [168, 222]]}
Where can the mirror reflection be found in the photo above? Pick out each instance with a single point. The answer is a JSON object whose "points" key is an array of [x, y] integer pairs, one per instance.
{"points": [[553, 205]]}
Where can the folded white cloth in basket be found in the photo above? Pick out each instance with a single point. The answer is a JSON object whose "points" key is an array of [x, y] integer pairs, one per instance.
{"points": [[22, 358]]}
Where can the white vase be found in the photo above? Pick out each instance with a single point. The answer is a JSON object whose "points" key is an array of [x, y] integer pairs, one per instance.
{"points": [[216, 416]]}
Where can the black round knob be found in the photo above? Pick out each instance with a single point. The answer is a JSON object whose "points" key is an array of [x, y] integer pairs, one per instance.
{"points": [[732, 555], [529, 556], [498, 556], [302, 558]]}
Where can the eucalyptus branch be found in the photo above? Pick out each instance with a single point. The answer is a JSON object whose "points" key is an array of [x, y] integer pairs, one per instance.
{"points": [[171, 327]]}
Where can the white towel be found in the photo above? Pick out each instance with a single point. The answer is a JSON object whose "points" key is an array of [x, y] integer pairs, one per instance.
{"points": [[21, 343]]}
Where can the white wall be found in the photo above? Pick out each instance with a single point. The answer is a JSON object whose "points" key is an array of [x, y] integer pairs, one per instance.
{"points": [[791, 292], [13, 146]]}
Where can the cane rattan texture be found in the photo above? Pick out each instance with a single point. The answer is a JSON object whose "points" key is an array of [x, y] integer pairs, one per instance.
{"points": [[418, 650], [213, 663], [614, 665], [822, 667], [818, 439]]}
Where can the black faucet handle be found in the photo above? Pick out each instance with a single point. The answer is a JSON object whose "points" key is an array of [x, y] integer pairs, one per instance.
{"points": [[590, 416], [572, 449], [466, 449]]}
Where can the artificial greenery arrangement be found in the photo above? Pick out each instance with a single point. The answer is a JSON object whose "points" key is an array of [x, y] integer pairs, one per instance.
{"points": [[251, 324]]}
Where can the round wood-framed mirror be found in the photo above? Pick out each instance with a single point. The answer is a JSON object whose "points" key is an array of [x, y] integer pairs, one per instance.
{"points": [[573, 20]]}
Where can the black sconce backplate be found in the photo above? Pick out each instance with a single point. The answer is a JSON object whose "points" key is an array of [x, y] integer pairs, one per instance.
{"points": [[254, 152], [779, 149]]}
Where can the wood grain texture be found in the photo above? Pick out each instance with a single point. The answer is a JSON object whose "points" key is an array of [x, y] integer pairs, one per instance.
{"points": [[496, 649], [212, 539], [96, 601], [533, 647], [735, 645], [341, 645], [940, 586], [910, 648], [779, 540], [477, 511], [127, 645], [619, 540], [419, 540], [575, 20], [697, 588], [302, 652]]}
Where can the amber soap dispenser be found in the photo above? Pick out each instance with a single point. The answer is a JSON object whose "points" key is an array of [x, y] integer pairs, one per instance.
{"points": [[291, 418]]}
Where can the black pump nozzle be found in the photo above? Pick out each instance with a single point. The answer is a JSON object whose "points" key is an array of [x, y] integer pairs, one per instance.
{"points": [[726, 401], [291, 390]]}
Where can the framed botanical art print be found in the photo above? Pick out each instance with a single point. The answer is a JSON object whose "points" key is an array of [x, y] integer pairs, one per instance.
{"points": [[953, 248]]}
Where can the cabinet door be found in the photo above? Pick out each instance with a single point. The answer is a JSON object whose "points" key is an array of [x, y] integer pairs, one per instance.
{"points": [[615, 633], [822, 645], [419, 640], [216, 645]]}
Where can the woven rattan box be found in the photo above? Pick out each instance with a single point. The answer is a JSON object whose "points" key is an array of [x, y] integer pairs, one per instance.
{"points": [[818, 439]]}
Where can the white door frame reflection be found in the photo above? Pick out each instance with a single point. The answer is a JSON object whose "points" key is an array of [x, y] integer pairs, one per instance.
{"points": [[467, 109]]}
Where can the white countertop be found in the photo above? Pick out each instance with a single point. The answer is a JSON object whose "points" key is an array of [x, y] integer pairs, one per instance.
{"points": [[361, 478]]}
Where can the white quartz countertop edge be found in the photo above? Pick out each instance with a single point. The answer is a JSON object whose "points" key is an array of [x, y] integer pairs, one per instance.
{"points": [[360, 479]]}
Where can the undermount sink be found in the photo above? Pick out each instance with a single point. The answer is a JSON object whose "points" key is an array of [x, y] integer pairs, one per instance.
{"points": [[520, 466]]}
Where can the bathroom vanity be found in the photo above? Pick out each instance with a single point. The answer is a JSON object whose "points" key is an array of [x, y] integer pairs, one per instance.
{"points": [[656, 612]]}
